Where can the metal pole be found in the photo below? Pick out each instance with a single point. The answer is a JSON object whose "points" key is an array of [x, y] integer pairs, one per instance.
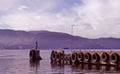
{"points": [[36, 45], [72, 36]]}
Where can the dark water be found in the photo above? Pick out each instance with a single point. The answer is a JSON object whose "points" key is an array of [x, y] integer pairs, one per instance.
{"points": [[17, 62]]}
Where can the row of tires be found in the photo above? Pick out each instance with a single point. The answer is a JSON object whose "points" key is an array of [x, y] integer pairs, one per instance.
{"points": [[81, 57]]}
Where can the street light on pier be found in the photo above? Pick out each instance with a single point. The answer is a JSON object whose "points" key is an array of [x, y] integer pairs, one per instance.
{"points": [[72, 36]]}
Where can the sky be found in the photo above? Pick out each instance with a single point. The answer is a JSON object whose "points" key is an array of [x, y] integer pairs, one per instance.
{"points": [[91, 18]]}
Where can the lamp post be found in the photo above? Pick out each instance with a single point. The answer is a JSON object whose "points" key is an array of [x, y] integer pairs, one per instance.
{"points": [[72, 36]]}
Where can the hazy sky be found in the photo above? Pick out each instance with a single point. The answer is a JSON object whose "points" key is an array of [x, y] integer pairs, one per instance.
{"points": [[93, 18]]}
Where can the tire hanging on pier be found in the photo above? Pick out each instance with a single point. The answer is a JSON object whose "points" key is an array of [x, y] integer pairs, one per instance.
{"points": [[52, 57], [88, 57], [59, 55], [67, 59], [105, 57], [80, 57], [74, 58], [95, 58], [62, 57], [115, 58]]}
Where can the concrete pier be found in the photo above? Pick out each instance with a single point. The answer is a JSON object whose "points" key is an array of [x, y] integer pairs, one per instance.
{"points": [[87, 57]]}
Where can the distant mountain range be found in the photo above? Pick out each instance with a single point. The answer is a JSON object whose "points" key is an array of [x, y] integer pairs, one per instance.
{"points": [[11, 39]]}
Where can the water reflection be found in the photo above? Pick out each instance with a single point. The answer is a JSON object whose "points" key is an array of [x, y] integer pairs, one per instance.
{"points": [[57, 68], [82, 68], [96, 67], [115, 68], [100, 68], [54, 64], [34, 64], [111, 68]]}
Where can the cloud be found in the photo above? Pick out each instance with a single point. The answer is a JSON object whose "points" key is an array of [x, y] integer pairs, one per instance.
{"points": [[23, 20], [103, 16], [93, 18], [7, 4]]}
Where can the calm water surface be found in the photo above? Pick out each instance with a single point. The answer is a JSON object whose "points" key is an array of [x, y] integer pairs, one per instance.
{"points": [[17, 62]]}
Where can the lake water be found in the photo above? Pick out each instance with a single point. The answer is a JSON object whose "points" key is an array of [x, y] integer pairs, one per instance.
{"points": [[17, 62]]}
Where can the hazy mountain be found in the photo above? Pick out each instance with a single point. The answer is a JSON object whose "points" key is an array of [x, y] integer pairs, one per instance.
{"points": [[10, 39]]}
